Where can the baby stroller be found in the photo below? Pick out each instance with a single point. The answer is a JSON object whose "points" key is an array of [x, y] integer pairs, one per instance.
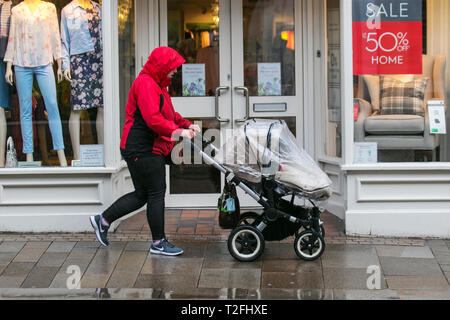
{"points": [[263, 159]]}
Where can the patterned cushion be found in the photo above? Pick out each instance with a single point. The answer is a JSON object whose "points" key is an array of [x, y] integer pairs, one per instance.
{"points": [[399, 97]]}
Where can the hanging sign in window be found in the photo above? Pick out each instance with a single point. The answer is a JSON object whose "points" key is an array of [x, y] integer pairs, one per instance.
{"points": [[269, 79], [387, 37], [193, 79]]}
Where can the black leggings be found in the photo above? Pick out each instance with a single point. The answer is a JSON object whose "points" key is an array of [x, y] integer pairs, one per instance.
{"points": [[149, 180]]}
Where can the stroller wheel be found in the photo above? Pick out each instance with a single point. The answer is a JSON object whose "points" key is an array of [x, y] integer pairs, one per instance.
{"points": [[249, 219], [309, 247], [246, 243]]}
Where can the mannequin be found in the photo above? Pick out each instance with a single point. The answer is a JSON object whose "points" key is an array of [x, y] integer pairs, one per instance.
{"points": [[77, 58], [5, 93], [23, 61]]}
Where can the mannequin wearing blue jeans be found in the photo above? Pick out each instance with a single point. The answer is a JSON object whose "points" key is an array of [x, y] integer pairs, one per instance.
{"points": [[46, 81]]}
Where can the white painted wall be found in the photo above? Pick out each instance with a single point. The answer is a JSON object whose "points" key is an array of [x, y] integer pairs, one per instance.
{"points": [[400, 203]]}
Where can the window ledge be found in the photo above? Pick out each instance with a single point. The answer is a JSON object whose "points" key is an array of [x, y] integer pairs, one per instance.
{"points": [[57, 170], [420, 166]]}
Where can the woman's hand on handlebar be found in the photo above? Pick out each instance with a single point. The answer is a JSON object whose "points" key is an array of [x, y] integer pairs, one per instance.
{"points": [[188, 133], [183, 133], [195, 127]]}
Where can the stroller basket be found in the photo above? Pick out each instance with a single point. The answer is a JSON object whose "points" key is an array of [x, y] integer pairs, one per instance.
{"points": [[279, 229]]}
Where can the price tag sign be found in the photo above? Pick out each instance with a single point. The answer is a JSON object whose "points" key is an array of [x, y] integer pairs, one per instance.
{"points": [[366, 152], [387, 37], [436, 112], [92, 155]]}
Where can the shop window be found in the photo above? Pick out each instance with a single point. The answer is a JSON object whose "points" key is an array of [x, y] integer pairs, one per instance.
{"points": [[127, 53], [193, 31], [51, 106], [401, 82], [269, 47], [333, 112]]}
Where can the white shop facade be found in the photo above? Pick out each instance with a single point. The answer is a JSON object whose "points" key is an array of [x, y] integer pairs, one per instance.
{"points": [[308, 46]]}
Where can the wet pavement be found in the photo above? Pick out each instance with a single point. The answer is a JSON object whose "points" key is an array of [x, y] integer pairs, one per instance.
{"points": [[126, 270]]}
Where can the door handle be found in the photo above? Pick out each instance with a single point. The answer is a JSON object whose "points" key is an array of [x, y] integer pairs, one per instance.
{"points": [[218, 90], [247, 103]]}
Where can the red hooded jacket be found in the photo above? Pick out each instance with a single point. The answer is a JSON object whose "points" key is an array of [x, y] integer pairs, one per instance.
{"points": [[148, 129]]}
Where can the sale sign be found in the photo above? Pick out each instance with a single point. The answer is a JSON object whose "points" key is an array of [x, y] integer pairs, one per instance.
{"points": [[387, 37]]}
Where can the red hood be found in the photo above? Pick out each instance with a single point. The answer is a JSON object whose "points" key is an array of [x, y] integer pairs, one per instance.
{"points": [[161, 61]]}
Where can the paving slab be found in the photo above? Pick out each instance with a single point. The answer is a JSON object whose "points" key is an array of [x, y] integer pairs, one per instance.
{"points": [[52, 259], [61, 246], [82, 253], [445, 267], [349, 278], [166, 282], [18, 269], [102, 266], [296, 265], [230, 278], [11, 246], [38, 244], [417, 282], [352, 257], [138, 246], [292, 280], [348, 294], [46, 294], [191, 249], [159, 265], [435, 243], [31, 252], [205, 293], [405, 252], [6, 258], [228, 262], [409, 266], [40, 277], [128, 293], [64, 276], [127, 269], [421, 294], [216, 249], [290, 294], [279, 251], [14, 274], [87, 244]]}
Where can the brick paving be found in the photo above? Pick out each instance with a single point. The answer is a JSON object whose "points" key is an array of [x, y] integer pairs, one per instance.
{"points": [[200, 225]]}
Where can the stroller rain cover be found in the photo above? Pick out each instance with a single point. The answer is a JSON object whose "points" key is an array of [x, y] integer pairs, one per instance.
{"points": [[267, 147]]}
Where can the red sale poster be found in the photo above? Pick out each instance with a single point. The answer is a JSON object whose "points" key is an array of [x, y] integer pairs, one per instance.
{"points": [[387, 37]]}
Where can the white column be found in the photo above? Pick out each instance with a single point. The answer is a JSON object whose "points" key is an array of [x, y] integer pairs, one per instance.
{"points": [[347, 80], [111, 82]]}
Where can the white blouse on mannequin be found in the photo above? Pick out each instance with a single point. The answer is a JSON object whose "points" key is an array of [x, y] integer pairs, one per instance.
{"points": [[34, 38]]}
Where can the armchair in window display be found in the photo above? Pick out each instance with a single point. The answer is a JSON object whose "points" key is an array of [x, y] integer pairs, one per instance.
{"points": [[83, 64], [400, 131], [33, 44]]}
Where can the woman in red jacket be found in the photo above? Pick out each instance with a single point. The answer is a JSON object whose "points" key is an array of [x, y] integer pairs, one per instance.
{"points": [[151, 128]]}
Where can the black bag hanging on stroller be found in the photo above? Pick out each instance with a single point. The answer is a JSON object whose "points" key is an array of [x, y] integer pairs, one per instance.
{"points": [[228, 207]]}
